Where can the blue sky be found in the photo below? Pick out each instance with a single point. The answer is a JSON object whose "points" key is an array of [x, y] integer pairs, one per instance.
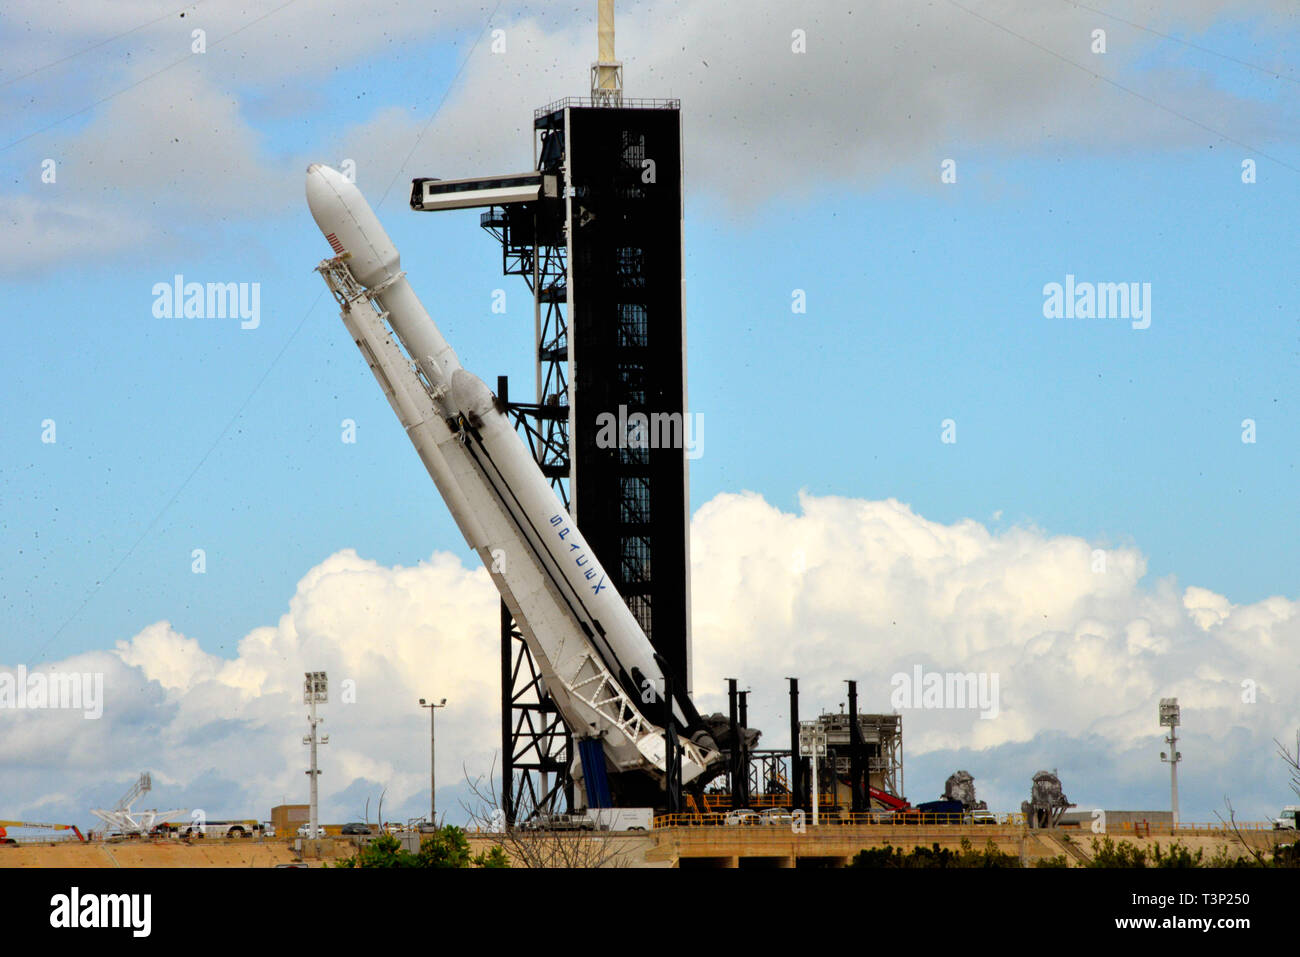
{"points": [[924, 303]]}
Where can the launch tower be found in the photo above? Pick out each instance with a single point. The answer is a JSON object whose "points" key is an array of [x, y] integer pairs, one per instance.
{"points": [[595, 230]]}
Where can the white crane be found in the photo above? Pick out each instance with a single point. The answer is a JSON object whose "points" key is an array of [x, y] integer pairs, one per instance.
{"points": [[127, 821]]}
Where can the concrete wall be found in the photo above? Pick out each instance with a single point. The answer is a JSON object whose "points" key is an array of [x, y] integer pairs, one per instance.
{"points": [[836, 845], [826, 846], [151, 854]]}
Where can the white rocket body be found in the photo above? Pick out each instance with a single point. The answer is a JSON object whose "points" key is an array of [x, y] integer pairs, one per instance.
{"points": [[597, 662]]}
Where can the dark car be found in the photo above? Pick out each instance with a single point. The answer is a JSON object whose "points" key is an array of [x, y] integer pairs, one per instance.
{"points": [[355, 828]]}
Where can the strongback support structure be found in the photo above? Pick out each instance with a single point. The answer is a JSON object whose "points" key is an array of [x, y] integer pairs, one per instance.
{"points": [[601, 251]]}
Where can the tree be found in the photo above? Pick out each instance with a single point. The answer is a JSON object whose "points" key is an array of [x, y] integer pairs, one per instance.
{"points": [[494, 857], [1292, 761], [1285, 855], [538, 846], [446, 847]]}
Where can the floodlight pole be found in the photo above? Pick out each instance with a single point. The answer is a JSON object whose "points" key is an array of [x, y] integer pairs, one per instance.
{"points": [[315, 689], [315, 773], [812, 742], [1171, 717], [433, 781], [1173, 771]]}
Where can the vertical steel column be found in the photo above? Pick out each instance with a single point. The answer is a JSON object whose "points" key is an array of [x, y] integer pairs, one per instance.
{"points": [[738, 769], [742, 701], [673, 779], [797, 797], [861, 796]]}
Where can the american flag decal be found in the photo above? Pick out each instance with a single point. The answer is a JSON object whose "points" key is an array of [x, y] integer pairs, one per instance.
{"points": [[334, 243]]}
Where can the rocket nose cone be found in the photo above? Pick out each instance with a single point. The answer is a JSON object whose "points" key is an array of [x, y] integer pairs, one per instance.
{"points": [[321, 188], [317, 191], [349, 224]]}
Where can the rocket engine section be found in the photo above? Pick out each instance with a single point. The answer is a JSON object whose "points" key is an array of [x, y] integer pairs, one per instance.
{"points": [[961, 787]]}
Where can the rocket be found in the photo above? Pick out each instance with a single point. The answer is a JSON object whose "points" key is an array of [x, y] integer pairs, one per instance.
{"points": [[598, 665]]}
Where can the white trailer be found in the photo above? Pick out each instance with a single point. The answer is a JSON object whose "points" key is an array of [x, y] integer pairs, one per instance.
{"points": [[621, 818]]}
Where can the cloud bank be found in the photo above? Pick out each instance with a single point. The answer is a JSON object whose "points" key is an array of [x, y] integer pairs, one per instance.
{"points": [[843, 588], [868, 99]]}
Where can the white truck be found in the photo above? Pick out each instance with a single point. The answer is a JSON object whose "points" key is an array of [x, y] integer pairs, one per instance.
{"points": [[232, 829], [621, 818], [1286, 821], [596, 819]]}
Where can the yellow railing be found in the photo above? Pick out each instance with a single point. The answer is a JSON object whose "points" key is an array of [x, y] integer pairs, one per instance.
{"points": [[834, 818], [826, 819]]}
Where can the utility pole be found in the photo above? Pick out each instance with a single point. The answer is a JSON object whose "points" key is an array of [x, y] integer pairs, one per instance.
{"points": [[433, 780], [315, 690]]}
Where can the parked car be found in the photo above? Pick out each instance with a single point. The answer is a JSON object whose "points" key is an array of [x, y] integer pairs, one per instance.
{"points": [[781, 816], [981, 816], [356, 827], [305, 830], [740, 817], [1286, 821]]}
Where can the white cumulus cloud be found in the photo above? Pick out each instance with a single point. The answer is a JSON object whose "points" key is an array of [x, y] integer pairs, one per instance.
{"points": [[842, 589]]}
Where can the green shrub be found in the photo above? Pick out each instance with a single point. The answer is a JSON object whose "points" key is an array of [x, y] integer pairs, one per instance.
{"points": [[1106, 853], [1178, 856], [445, 847], [934, 857]]}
